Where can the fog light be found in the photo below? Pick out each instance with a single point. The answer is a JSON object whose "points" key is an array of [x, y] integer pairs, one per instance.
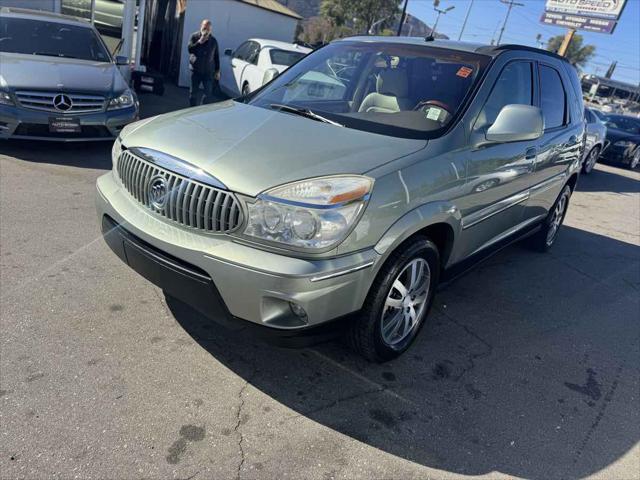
{"points": [[297, 310]]}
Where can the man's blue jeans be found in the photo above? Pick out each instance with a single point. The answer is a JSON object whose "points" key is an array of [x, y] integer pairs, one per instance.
{"points": [[207, 86]]}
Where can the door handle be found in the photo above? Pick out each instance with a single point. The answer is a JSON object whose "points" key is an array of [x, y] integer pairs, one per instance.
{"points": [[530, 153]]}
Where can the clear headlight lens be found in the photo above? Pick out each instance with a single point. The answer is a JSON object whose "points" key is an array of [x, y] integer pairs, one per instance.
{"points": [[116, 150], [124, 100], [624, 143], [5, 98], [314, 214]]}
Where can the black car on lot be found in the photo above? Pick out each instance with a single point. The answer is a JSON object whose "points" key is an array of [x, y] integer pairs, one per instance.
{"points": [[623, 140]]}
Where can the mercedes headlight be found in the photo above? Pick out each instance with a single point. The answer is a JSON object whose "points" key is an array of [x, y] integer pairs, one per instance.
{"points": [[314, 214], [5, 98], [124, 100]]}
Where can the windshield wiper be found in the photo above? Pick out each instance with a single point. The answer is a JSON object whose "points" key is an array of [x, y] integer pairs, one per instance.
{"points": [[304, 112], [53, 54]]}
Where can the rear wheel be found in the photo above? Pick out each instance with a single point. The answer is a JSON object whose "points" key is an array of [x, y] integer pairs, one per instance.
{"points": [[591, 160], [544, 239], [398, 301]]}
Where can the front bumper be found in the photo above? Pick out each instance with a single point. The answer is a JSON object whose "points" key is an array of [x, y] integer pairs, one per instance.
{"points": [[23, 123], [251, 284]]}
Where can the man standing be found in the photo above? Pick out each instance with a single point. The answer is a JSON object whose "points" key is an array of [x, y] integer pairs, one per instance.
{"points": [[204, 63]]}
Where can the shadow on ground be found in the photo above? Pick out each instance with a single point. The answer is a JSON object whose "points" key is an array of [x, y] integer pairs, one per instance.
{"points": [[528, 366], [609, 181]]}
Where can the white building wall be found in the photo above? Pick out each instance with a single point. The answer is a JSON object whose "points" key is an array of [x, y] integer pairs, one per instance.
{"points": [[48, 5], [233, 23]]}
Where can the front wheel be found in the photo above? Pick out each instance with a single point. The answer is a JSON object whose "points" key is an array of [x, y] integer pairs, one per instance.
{"points": [[544, 239], [398, 302], [635, 160]]}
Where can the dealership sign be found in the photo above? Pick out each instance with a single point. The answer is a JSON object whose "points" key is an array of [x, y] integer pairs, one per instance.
{"points": [[592, 15], [579, 22]]}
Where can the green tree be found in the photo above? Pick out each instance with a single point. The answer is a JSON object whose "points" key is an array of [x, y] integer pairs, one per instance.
{"points": [[577, 53], [360, 14]]}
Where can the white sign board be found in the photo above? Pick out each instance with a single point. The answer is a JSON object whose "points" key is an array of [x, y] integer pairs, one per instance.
{"points": [[609, 9]]}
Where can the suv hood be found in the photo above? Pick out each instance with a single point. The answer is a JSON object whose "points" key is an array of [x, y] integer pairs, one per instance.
{"points": [[251, 149], [36, 72]]}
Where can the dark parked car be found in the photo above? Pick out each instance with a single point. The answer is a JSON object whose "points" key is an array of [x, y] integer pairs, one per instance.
{"points": [[623, 140], [596, 140], [58, 81]]}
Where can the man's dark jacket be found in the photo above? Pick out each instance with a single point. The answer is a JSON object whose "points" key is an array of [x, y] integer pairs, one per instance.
{"points": [[203, 57]]}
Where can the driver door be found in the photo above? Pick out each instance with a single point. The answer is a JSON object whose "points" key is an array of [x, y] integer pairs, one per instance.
{"points": [[498, 174]]}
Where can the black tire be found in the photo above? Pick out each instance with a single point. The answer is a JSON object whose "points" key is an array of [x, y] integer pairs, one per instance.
{"points": [[245, 90], [587, 166], [634, 161], [365, 333], [543, 240]]}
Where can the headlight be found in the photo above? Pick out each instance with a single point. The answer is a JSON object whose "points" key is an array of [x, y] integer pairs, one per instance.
{"points": [[313, 214], [124, 100], [116, 150], [5, 98], [624, 144]]}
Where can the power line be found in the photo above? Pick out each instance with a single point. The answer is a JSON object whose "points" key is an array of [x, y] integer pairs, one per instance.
{"points": [[511, 4]]}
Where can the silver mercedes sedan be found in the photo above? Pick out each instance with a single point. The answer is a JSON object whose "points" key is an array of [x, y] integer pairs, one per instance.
{"points": [[58, 80]]}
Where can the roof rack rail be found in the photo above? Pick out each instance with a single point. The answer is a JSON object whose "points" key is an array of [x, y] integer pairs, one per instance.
{"points": [[513, 46]]}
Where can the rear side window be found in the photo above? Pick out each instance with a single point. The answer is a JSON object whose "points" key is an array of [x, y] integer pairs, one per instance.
{"points": [[514, 86], [553, 98]]}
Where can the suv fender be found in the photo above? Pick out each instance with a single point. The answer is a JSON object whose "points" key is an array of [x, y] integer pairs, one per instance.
{"points": [[416, 220]]}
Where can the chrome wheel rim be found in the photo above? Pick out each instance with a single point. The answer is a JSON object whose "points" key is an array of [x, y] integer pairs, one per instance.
{"points": [[636, 159], [406, 302], [593, 158], [556, 219]]}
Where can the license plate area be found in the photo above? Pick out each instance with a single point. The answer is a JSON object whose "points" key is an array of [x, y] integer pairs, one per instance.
{"points": [[64, 125]]}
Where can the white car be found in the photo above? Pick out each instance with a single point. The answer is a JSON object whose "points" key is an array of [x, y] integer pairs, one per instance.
{"points": [[255, 62]]}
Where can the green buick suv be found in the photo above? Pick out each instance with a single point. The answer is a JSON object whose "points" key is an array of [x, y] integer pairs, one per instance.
{"points": [[338, 196]]}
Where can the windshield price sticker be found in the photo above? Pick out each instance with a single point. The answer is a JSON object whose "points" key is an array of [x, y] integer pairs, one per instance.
{"points": [[464, 72]]}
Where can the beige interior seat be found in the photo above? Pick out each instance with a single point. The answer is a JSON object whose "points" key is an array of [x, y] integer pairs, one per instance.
{"points": [[392, 88]]}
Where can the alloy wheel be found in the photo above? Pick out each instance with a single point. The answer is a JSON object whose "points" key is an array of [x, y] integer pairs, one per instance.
{"points": [[635, 161], [406, 302], [556, 219], [591, 161]]}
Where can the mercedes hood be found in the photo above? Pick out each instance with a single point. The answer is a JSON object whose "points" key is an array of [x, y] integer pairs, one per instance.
{"points": [[38, 72], [251, 149]]}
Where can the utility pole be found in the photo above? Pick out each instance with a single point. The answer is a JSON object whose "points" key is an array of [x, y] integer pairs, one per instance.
{"points": [[566, 42], [466, 17], [402, 17], [440, 12], [511, 4]]}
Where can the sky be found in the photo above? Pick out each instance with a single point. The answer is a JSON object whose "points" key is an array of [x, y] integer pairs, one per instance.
{"points": [[524, 24]]}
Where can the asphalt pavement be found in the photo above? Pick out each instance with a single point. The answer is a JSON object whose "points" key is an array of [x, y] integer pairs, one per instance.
{"points": [[529, 366]]}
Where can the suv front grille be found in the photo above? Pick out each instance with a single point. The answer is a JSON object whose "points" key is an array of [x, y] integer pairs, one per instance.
{"points": [[187, 202], [46, 101]]}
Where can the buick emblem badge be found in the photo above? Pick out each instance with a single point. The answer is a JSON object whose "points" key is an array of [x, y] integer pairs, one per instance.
{"points": [[62, 102], [157, 191]]}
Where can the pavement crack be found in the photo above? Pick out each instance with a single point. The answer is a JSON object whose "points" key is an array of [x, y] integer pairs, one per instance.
{"points": [[238, 431]]}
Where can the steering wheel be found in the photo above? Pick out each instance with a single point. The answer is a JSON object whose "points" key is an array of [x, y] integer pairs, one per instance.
{"points": [[436, 103]]}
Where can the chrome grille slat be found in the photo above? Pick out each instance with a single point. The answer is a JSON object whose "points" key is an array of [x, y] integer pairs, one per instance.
{"points": [[43, 101], [191, 203]]}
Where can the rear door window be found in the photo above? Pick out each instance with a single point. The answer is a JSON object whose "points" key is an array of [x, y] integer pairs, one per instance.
{"points": [[553, 98]]}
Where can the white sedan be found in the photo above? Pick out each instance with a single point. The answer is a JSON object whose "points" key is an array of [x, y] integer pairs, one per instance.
{"points": [[255, 62]]}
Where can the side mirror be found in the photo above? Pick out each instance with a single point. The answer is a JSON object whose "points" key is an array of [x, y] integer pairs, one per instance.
{"points": [[269, 75], [228, 52], [516, 123], [122, 60]]}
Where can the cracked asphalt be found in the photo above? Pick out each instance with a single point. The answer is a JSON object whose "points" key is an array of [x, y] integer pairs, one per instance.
{"points": [[529, 366]]}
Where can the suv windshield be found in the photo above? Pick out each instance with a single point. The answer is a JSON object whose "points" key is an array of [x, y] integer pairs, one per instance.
{"points": [[40, 37], [402, 90], [284, 57]]}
